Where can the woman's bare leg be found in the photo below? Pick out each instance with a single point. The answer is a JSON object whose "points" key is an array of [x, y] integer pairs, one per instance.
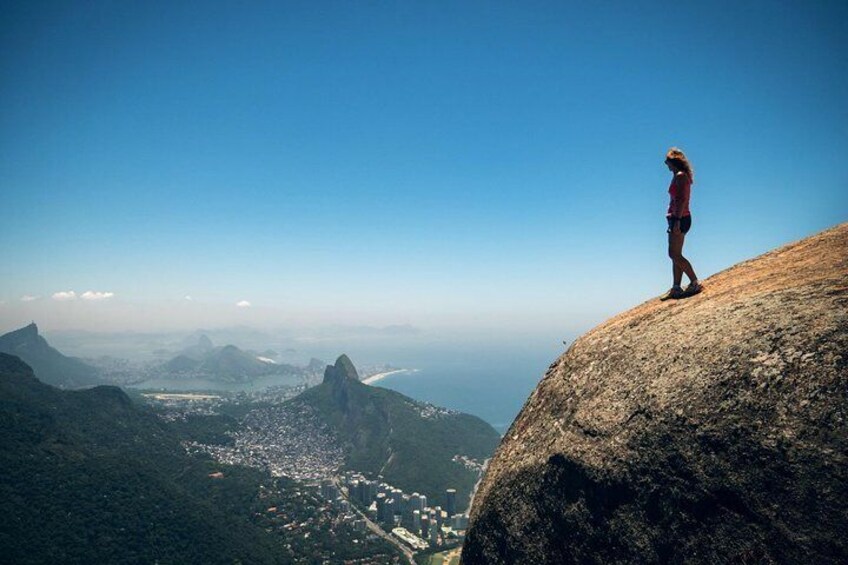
{"points": [[680, 264]]}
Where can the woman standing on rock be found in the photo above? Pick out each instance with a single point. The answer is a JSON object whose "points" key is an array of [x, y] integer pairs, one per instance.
{"points": [[679, 222]]}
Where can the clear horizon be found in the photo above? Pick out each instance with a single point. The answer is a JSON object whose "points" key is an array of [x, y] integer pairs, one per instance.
{"points": [[476, 169]]}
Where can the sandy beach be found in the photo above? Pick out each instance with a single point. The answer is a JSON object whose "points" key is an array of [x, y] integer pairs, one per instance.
{"points": [[380, 376], [181, 396]]}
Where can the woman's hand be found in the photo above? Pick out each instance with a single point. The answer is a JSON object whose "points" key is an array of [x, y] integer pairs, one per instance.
{"points": [[674, 227]]}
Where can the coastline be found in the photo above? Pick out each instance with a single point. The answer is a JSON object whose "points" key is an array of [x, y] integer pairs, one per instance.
{"points": [[380, 376]]}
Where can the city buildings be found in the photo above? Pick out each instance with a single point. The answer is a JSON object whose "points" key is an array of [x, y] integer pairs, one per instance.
{"points": [[407, 516]]}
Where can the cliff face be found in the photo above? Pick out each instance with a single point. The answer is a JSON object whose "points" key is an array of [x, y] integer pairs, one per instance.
{"points": [[50, 365], [711, 429], [338, 378]]}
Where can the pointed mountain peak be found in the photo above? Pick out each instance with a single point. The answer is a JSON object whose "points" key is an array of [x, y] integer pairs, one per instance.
{"points": [[30, 330], [343, 363], [49, 365], [22, 335], [342, 370], [204, 342]]}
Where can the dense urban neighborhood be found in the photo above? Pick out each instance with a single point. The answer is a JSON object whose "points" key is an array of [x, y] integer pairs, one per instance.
{"points": [[289, 441]]}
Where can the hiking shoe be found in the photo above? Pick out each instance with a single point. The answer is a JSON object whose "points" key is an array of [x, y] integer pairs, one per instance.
{"points": [[693, 288], [673, 292]]}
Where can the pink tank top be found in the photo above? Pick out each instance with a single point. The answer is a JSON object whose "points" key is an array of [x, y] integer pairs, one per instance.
{"points": [[679, 192]]}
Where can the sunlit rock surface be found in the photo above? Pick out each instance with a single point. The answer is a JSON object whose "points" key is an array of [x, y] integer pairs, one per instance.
{"points": [[704, 430]]}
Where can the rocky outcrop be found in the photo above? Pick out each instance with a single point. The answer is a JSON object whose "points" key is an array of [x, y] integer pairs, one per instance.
{"points": [[707, 430], [50, 366], [338, 379], [341, 372]]}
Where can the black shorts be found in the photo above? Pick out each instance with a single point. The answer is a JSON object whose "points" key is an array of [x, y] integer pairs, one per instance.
{"points": [[685, 223]]}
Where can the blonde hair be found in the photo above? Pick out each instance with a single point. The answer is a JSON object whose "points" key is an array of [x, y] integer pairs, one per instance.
{"points": [[676, 156]]}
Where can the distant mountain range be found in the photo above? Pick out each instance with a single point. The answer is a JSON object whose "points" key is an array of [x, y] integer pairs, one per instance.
{"points": [[225, 364], [197, 350], [410, 443], [50, 366]]}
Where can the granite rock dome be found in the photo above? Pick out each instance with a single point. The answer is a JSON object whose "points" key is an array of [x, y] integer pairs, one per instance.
{"points": [[711, 429]]}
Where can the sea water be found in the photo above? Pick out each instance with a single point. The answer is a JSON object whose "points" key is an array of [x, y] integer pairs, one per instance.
{"points": [[490, 384]]}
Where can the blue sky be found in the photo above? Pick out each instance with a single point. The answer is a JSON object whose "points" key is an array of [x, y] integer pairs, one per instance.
{"points": [[441, 164]]}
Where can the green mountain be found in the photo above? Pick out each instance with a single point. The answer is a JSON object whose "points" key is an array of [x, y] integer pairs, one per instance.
{"points": [[50, 365], [90, 477], [181, 364], [225, 364], [411, 444], [231, 362]]}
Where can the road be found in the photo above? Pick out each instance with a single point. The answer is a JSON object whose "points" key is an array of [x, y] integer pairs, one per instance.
{"points": [[477, 484], [374, 527]]}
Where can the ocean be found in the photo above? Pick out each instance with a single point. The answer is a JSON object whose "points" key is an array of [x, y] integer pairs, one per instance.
{"points": [[489, 378], [490, 384]]}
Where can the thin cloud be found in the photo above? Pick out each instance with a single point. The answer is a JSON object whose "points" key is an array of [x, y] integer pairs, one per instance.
{"points": [[94, 295], [28, 298], [188, 298], [65, 295], [243, 304]]}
